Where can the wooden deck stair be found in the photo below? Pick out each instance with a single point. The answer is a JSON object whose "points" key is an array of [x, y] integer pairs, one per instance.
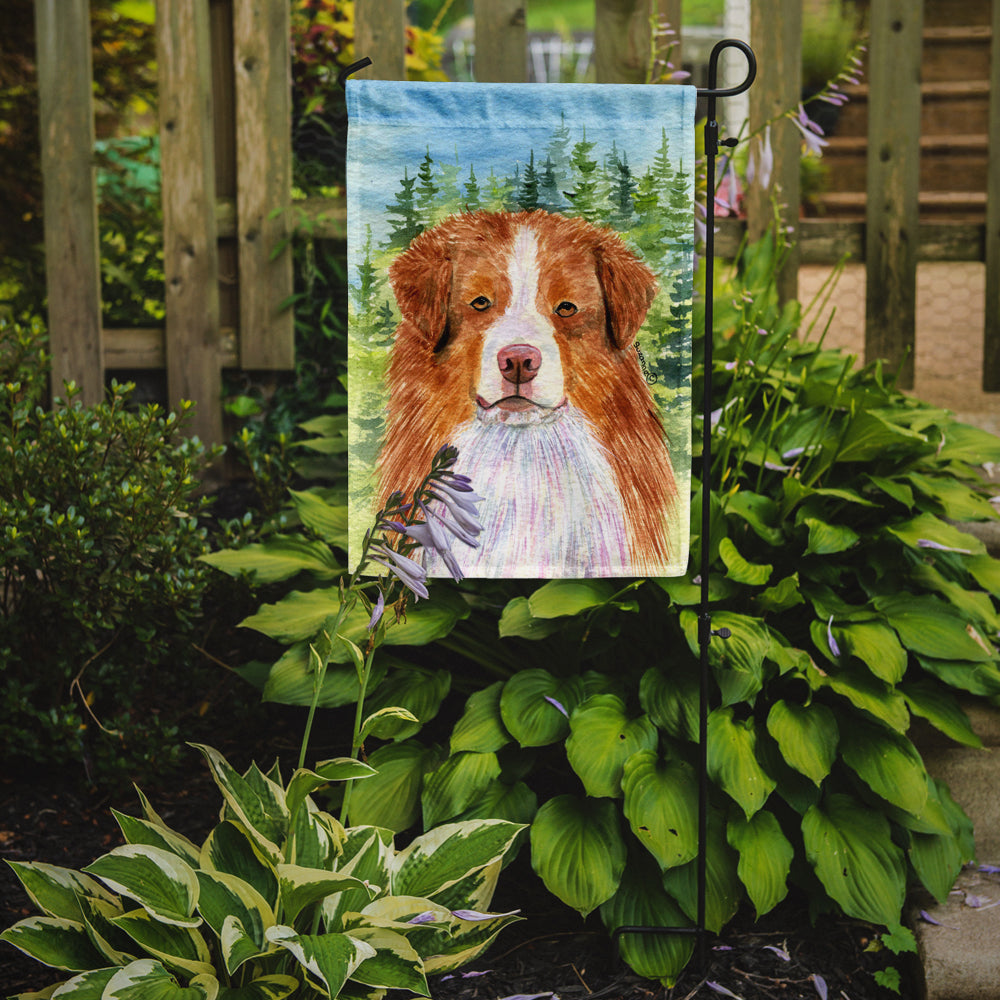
{"points": [[955, 93]]}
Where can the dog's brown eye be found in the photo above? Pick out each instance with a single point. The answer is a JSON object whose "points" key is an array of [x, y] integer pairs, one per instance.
{"points": [[565, 309], [480, 303]]}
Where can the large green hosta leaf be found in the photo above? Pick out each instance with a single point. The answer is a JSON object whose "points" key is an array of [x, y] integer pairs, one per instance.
{"points": [[661, 806], [456, 784], [558, 598], [670, 698], [535, 706], [888, 763], [876, 646], [807, 736], [850, 848], [578, 851], [941, 709], [391, 798], [601, 740], [278, 558], [732, 760], [738, 661], [765, 858], [723, 889], [481, 727], [932, 628], [642, 902]]}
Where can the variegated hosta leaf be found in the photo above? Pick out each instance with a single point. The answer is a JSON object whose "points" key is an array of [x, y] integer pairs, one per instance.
{"points": [[304, 782], [850, 847], [661, 805], [147, 979], [441, 857], [230, 849], [765, 858], [578, 851], [300, 887], [274, 987], [56, 891], [602, 737], [141, 831], [86, 986], [329, 959], [395, 964], [367, 853], [723, 889], [465, 942], [481, 727], [177, 947], [732, 760], [456, 784], [256, 801], [54, 941], [642, 902], [225, 897], [807, 736], [476, 890], [315, 838], [158, 880], [99, 915]]}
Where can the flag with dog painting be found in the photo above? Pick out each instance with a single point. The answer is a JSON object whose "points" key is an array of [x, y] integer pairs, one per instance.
{"points": [[520, 281]]}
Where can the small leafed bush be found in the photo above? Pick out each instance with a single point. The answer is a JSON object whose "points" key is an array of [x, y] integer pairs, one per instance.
{"points": [[280, 899], [99, 578]]}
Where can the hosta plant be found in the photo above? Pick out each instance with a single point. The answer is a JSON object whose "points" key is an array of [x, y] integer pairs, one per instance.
{"points": [[855, 605], [279, 900]]}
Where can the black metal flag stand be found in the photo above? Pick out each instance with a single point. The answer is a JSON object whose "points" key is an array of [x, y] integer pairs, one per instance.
{"points": [[705, 631]]}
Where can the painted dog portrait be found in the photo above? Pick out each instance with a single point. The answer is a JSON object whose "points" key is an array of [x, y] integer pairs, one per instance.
{"points": [[516, 345]]}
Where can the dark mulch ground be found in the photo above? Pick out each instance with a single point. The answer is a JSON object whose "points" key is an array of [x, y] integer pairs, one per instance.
{"points": [[550, 952]]}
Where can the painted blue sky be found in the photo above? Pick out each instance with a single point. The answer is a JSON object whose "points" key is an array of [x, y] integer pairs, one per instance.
{"points": [[495, 126]]}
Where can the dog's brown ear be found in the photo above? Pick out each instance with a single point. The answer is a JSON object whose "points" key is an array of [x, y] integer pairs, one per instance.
{"points": [[629, 288], [421, 281]]}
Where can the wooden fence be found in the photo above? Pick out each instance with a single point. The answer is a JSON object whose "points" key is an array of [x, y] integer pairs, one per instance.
{"points": [[226, 161]]}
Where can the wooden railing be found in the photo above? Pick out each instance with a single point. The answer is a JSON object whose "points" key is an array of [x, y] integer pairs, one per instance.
{"points": [[226, 161]]}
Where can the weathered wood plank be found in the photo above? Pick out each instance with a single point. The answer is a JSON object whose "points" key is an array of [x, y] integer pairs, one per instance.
{"points": [[72, 256], [991, 332], [776, 35], [380, 34], [826, 241], [190, 253], [621, 40], [893, 184], [501, 40], [262, 62], [144, 348]]}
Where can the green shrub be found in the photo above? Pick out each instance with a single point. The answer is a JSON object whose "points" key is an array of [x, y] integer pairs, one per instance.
{"points": [[99, 539], [279, 900]]}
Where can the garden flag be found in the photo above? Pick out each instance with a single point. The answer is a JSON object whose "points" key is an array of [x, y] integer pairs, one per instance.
{"points": [[520, 276]]}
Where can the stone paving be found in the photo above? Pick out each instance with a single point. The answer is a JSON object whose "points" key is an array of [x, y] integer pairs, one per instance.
{"points": [[949, 349]]}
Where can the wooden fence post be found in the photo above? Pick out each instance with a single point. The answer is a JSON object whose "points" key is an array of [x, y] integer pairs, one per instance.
{"points": [[262, 61], [776, 35], [893, 183], [621, 40], [991, 333], [501, 41], [380, 34], [72, 254], [190, 251]]}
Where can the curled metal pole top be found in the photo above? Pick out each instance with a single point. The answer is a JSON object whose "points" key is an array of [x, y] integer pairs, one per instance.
{"points": [[353, 68], [712, 90]]}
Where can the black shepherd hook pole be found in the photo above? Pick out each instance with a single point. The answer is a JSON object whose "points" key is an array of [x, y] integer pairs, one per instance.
{"points": [[705, 632], [353, 68]]}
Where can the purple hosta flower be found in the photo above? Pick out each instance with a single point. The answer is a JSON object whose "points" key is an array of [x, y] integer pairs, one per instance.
{"points": [[820, 983], [377, 612], [558, 705], [719, 988], [760, 165], [727, 198], [427, 917], [927, 543], [780, 952], [475, 915], [989, 869], [834, 648], [811, 132], [411, 574], [460, 502]]}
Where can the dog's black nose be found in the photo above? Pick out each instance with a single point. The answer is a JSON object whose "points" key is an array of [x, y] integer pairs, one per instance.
{"points": [[519, 363]]}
